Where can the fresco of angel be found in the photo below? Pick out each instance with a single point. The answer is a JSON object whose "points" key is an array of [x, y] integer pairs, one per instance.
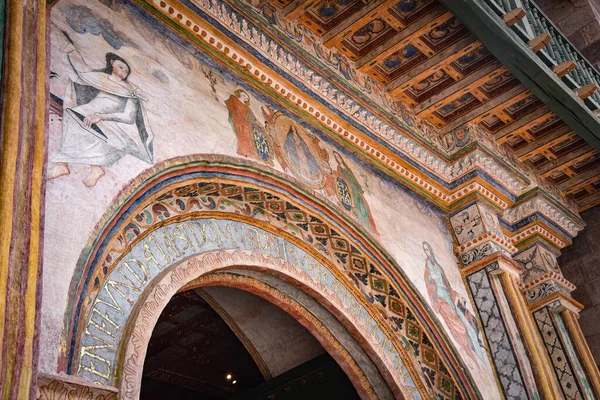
{"points": [[103, 117]]}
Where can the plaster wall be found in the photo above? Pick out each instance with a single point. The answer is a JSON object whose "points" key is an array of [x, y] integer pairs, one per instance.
{"points": [[188, 103]]}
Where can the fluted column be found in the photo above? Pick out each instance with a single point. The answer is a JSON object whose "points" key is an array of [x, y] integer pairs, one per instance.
{"points": [[517, 350], [22, 148]]}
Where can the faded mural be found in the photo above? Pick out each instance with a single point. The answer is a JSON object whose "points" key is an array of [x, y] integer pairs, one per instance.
{"points": [[127, 93]]}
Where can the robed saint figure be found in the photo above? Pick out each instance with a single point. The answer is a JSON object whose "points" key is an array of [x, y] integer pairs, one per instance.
{"points": [[103, 118]]}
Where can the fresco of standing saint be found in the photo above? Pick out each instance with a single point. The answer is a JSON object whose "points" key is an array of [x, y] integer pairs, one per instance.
{"points": [[241, 119], [103, 117], [451, 306], [351, 194]]}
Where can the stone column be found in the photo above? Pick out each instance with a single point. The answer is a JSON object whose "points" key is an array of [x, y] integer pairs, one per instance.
{"points": [[556, 317], [516, 348], [22, 153]]}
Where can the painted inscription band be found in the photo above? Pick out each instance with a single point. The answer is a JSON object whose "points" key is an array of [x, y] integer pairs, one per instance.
{"points": [[170, 245]]}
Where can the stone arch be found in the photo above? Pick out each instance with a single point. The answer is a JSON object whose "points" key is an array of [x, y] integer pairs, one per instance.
{"points": [[215, 187], [236, 269]]}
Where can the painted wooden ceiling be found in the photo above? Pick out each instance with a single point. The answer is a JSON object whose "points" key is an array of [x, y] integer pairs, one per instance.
{"points": [[423, 55]]}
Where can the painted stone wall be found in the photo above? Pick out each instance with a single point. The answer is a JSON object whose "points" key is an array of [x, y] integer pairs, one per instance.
{"points": [[128, 93], [579, 264]]}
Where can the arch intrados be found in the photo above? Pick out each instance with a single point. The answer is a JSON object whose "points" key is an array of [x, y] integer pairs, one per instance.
{"points": [[324, 302], [297, 311], [179, 277]]}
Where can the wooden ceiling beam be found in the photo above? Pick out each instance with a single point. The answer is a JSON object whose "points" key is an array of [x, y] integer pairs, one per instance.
{"points": [[296, 8], [423, 25], [452, 72], [580, 180], [566, 161], [499, 109], [522, 124], [500, 101], [393, 21], [439, 60], [355, 22], [475, 78], [538, 146]]}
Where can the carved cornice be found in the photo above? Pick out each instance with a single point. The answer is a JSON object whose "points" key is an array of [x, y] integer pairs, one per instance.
{"points": [[497, 262], [550, 276], [524, 236], [557, 301], [539, 203], [446, 181], [489, 237]]}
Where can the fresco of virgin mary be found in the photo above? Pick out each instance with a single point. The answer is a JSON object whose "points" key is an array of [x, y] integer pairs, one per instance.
{"points": [[298, 151]]}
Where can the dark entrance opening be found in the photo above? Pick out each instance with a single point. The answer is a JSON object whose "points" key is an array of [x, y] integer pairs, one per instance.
{"points": [[224, 343]]}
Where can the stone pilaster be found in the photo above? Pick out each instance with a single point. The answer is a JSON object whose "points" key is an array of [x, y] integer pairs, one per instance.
{"points": [[517, 351], [22, 148], [555, 312]]}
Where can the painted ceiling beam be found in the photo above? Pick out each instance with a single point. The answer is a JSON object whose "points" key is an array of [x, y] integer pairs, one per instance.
{"points": [[498, 102], [471, 80], [296, 8], [527, 67], [590, 201], [427, 67], [566, 161], [350, 25], [527, 122], [558, 135], [580, 180], [413, 31]]}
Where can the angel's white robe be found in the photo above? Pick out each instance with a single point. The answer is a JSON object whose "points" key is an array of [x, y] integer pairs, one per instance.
{"points": [[123, 128]]}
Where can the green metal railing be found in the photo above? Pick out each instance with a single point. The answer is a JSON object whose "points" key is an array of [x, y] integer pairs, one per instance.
{"points": [[559, 49]]}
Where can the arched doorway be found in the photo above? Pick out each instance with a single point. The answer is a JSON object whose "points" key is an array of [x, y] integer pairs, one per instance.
{"points": [[274, 280], [178, 225], [223, 343], [293, 363]]}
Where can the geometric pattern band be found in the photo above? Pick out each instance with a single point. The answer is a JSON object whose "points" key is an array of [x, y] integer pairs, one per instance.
{"points": [[560, 361], [497, 336]]}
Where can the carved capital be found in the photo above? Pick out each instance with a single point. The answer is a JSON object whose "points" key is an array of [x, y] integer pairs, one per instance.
{"points": [[474, 222], [536, 261], [494, 264], [68, 387]]}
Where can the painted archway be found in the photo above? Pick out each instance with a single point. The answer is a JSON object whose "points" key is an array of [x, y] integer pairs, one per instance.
{"points": [[186, 207], [239, 269]]}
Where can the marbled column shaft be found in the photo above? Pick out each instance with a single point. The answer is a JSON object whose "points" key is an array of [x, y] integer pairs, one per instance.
{"points": [[22, 154], [518, 353]]}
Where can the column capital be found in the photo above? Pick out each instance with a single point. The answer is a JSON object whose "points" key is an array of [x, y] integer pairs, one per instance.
{"points": [[479, 236], [473, 222], [557, 301], [541, 278], [72, 387], [495, 263]]}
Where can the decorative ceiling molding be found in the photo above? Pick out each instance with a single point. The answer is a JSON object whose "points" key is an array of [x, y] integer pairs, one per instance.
{"points": [[476, 170]]}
